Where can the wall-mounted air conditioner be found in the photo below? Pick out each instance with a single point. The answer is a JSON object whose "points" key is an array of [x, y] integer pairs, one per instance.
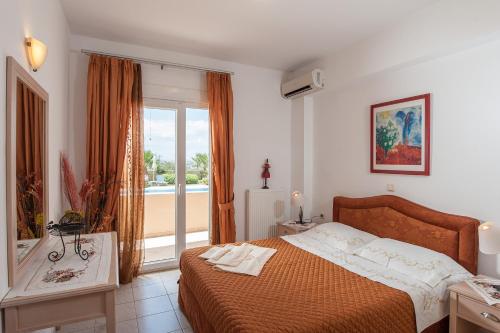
{"points": [[303, 85]]}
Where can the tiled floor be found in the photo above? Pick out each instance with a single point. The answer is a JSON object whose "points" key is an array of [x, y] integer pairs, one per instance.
{"points": [[147, 305]]}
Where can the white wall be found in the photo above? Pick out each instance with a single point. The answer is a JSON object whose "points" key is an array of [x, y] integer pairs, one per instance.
{"points": [[302, 152], [440, 29], [465, 158], [262, 119], [45, 21], [450, 49]]}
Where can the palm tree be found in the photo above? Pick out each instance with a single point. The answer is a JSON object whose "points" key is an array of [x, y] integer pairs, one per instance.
{"points": [[200, 160]]}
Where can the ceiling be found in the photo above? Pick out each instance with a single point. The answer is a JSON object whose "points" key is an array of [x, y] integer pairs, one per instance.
{"points": [[280, 34]]}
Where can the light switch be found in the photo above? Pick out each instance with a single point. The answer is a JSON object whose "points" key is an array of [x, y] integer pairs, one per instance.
{"points": [[390, 187]]}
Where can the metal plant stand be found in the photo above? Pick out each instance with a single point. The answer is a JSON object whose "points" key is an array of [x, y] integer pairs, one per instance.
{"points": [[67, 228]]}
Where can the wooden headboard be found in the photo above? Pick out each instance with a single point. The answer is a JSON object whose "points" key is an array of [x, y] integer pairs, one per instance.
{"points": [[393, 217]]}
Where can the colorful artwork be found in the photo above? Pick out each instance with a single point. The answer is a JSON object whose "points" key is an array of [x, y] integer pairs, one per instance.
{"points": [[400, 136]]}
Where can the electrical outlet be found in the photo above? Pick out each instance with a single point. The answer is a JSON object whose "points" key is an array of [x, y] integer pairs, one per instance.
{"points": [[390, 187]]}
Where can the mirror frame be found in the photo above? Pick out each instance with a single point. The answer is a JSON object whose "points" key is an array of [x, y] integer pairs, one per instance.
{"points": [[16, 72]]}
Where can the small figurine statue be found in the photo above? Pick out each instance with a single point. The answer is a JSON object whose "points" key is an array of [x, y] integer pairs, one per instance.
{"points": [[266, 174]]}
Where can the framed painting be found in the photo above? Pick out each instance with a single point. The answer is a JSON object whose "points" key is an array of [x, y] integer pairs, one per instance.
{"points": [[400, 136]]}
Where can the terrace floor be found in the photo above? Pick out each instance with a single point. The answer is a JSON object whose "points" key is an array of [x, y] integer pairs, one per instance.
{"points": [[162, 248]]}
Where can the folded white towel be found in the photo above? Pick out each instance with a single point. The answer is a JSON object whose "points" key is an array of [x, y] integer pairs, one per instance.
{"points": [[216, 252], [233, 257], [244, 259], [253, 263]]}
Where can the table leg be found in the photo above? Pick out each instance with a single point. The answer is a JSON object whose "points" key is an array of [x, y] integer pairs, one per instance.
{"points": [[10, 320], [453, 312], [110, 312]]}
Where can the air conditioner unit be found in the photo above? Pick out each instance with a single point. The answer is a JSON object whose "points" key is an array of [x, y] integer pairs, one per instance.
{"points": [[303, 85]]}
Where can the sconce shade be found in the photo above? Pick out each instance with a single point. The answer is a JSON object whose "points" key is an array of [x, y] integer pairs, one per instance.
{"points": [[489, 238], [297, 198], [37, 52]]}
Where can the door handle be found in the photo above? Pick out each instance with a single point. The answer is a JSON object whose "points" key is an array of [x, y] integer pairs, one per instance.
{"points": [[179, 189]]}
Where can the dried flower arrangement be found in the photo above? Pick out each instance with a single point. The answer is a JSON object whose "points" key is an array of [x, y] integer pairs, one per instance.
{"points": [[30, 206], [90, 201]]}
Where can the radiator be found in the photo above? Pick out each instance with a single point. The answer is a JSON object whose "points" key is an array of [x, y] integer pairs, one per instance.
{"points": [[264, 208]]}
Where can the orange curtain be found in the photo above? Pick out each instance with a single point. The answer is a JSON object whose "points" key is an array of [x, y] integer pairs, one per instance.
{"points": [[112, 108], [131, 216], [29, 161], [220, 99]]}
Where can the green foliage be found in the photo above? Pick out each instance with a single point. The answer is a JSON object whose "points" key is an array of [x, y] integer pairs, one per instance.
{"points": [[204, 181], [169, 178], [191, 179], [201, 163], [386, 137], [148, 159], [165, 167]]}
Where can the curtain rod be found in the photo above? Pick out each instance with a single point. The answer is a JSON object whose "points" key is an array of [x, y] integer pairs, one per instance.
{"points": [[158, 62]]}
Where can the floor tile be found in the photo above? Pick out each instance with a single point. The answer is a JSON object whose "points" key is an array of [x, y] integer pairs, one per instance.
{"points": [[153, 305], [153, 290], [124, 296], [101, 321], [159, 323], [87, 330], [174, 299], [171, 286], [172, 274], [125, 286], [129, 326], [182, 320], [125, 311], [145, 280], [79, 326]]}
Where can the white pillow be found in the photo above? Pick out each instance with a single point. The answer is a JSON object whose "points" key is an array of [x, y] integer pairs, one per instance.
{"points": [[418, 262], [340, 236]]}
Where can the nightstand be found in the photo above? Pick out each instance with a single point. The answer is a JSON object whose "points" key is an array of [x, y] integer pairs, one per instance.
{"points": [[470, 313], [290, 228]]}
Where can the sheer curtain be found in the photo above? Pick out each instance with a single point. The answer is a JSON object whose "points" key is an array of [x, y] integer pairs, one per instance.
{"points": [[220, 101], [131, 215], [114, 143]]}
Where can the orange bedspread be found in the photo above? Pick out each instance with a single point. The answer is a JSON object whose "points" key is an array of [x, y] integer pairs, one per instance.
{"points": [[296, 292]]}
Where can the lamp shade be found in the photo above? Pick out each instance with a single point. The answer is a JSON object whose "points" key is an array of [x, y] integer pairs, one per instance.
{"points": [[37, 52], [297, 198], [489, 238]]}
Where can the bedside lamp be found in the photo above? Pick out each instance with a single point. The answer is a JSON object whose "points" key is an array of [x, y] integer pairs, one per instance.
{"points": [[298, 201], [489, 238]]}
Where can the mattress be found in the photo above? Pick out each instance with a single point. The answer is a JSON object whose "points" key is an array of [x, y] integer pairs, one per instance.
{"points": [[297, 291]]}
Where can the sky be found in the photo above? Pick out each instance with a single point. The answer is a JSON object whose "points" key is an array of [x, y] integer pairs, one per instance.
{"points": [[159, 132]]}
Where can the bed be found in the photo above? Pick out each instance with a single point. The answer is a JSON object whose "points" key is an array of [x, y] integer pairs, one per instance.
{"points": [[299, 291]]}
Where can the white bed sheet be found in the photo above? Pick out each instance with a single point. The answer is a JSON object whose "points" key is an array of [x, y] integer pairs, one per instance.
{"points": [[431, 304]]}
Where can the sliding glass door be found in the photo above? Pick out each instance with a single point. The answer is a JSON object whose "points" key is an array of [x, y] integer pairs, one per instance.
{"points": [[177, 196]]}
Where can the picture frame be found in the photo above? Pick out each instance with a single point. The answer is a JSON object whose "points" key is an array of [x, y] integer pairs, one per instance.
{"points": [[400, 139]]}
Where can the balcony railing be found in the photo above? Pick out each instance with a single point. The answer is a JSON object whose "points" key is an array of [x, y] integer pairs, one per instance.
{"points": [[159, 220]]}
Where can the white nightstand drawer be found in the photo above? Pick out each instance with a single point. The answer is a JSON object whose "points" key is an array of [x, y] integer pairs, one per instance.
{"points": [[477, 312]]}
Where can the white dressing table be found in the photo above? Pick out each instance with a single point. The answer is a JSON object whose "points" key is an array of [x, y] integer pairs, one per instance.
{"points": [[70, 290]]}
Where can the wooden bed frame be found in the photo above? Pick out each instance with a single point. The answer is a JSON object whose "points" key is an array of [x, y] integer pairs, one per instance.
{"points": [[397, 218], [390, 217]]}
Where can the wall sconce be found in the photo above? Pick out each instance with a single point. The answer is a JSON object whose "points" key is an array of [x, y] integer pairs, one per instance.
{"points": [[37, 52]]}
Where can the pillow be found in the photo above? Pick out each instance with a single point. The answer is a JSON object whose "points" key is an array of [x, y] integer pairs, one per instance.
{"points": [[418, 262], [340, 236]]}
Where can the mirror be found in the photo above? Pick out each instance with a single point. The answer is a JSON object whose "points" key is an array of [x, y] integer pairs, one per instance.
{"points": [[27, 180]]}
